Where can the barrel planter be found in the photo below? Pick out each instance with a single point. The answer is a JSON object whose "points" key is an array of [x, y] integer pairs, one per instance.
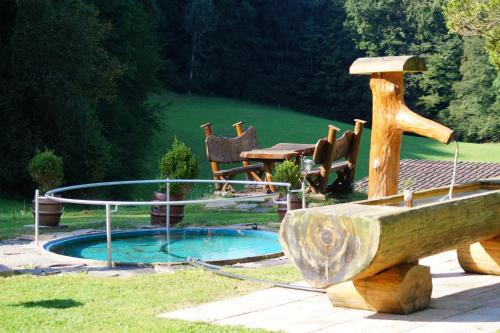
{"points": [[49, 212], [296, 203], [159, 212]]}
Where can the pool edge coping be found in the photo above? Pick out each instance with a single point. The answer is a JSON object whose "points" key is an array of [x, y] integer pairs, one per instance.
{"points": [[90, 262]]}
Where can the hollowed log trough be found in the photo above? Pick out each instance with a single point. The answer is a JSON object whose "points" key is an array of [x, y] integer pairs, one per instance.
{"points": [[366, 253]]}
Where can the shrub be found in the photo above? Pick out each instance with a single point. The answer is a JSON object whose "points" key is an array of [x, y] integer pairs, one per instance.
{"points": [[46, 168], [287, 172], [178, 163]]}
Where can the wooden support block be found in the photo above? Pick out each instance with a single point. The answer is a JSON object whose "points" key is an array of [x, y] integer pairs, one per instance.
{"points": [[402, 289], [482, 257]]}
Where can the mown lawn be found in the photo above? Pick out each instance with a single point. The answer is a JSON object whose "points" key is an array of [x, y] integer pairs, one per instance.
{"points": [[182, 115], [83, 303], [15, 215]]}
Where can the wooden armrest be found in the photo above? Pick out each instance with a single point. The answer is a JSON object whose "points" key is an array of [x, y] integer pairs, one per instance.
{"points": [[339, 165]]}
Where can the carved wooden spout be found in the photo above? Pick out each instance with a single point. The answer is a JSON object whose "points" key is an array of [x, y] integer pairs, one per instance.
{"points": [[391, 117]]}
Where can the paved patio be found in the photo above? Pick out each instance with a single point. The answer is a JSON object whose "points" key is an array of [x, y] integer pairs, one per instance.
{"points": [[460, 303]]}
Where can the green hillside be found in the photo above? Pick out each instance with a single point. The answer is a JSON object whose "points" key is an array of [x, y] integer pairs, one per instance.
{"points": [[182, 116]]}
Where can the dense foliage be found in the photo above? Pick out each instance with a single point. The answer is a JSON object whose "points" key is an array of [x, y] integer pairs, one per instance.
{"points": [[477, 96], [46, 168], [297, 52], [287, 172], [178, 163], [75, 77], [477, 18]]}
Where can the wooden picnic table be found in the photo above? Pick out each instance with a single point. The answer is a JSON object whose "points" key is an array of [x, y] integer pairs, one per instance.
{"points": [[277, 153]]}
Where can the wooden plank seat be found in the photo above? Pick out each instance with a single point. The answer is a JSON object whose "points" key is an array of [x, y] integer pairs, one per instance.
{"points": [[224, 150], [336, 166], [238, 170]]}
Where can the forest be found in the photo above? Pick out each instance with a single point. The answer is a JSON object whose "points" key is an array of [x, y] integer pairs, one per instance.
{"points": [[77, 75]]}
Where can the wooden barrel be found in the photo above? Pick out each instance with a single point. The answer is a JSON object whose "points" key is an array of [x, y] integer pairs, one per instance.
{"points": [[50, 212], [159, 212], [296, 203]]}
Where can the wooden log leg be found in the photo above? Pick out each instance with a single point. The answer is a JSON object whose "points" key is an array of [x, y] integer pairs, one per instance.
{"points": [[481, 257], [257, 178], [313, 184], [341, 184], [268, 168], [402, 289], [328, 159], [214, 165], [227, 187]]}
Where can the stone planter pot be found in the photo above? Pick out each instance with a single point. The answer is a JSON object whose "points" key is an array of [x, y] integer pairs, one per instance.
{"points": [[296, 203], [159, 212], [50, 212]]}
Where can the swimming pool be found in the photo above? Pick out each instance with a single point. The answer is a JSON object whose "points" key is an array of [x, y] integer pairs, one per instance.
{"points": [[215, 245]]}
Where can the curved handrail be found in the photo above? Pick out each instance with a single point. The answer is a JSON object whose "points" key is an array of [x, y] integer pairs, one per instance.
{"points": [[108, 203], [50, 194]]}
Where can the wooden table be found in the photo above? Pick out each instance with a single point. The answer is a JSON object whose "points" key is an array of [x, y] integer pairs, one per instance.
{"points": [[277, 153]]}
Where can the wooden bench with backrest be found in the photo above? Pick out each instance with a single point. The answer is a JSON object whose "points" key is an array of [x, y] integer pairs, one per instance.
{"points": [[224, 150], [338, 156]]}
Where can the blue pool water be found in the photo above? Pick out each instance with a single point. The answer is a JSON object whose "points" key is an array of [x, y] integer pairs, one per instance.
{"points": [[151, 246]]}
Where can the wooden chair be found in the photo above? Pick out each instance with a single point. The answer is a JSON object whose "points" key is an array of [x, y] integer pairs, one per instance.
{"points": [[338, 156], [223, 150]]}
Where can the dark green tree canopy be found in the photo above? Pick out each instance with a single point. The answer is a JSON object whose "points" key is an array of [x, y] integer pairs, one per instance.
{"points": [[68, 73]]}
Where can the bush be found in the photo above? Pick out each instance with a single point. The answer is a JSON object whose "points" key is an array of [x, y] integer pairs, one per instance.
{"points": [[287, 172], [178, 163], [46, 168]]}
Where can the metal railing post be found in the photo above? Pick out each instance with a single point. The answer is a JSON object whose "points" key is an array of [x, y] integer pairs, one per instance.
{"points": [[37, 217], [303, 191], [168, 216], [288, 199], [108, 235]]}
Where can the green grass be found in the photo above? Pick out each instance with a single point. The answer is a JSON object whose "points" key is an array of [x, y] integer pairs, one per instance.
{"points": [[182, 116], [83, 303], [14, 217]]}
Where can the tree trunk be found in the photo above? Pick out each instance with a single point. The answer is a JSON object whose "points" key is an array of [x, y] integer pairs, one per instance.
{"points": [[391, 117]]}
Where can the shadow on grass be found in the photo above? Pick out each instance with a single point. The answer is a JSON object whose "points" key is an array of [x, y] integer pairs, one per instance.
{"points": [[51, 304]]}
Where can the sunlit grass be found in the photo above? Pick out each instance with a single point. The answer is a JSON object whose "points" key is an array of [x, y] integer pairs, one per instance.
{"points": [[83, 303], [182, 116]]}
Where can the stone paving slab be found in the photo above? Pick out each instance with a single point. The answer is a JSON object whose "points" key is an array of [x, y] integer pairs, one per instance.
{"points": [[460, 302]]}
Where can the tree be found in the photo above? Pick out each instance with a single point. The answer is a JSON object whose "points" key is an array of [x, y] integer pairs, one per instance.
{"points": [[128, 118], [401, 27], [75, 79], [201, 17], [475, 113], [477, 18], [56, 73]]}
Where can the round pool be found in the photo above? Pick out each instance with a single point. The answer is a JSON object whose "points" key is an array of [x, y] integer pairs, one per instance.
{"points": [[215, 245]]}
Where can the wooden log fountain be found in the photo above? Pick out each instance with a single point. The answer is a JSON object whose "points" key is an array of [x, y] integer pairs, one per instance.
{"points": [[375, 245], [367, 253], [391, 118]]}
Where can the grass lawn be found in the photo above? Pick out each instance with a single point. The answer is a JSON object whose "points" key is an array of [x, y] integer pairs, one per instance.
{"points": [[182, 116], [15, 215], [82, 303]]}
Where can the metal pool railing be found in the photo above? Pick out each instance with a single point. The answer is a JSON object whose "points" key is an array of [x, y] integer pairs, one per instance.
{"points": [[108, 203]]}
